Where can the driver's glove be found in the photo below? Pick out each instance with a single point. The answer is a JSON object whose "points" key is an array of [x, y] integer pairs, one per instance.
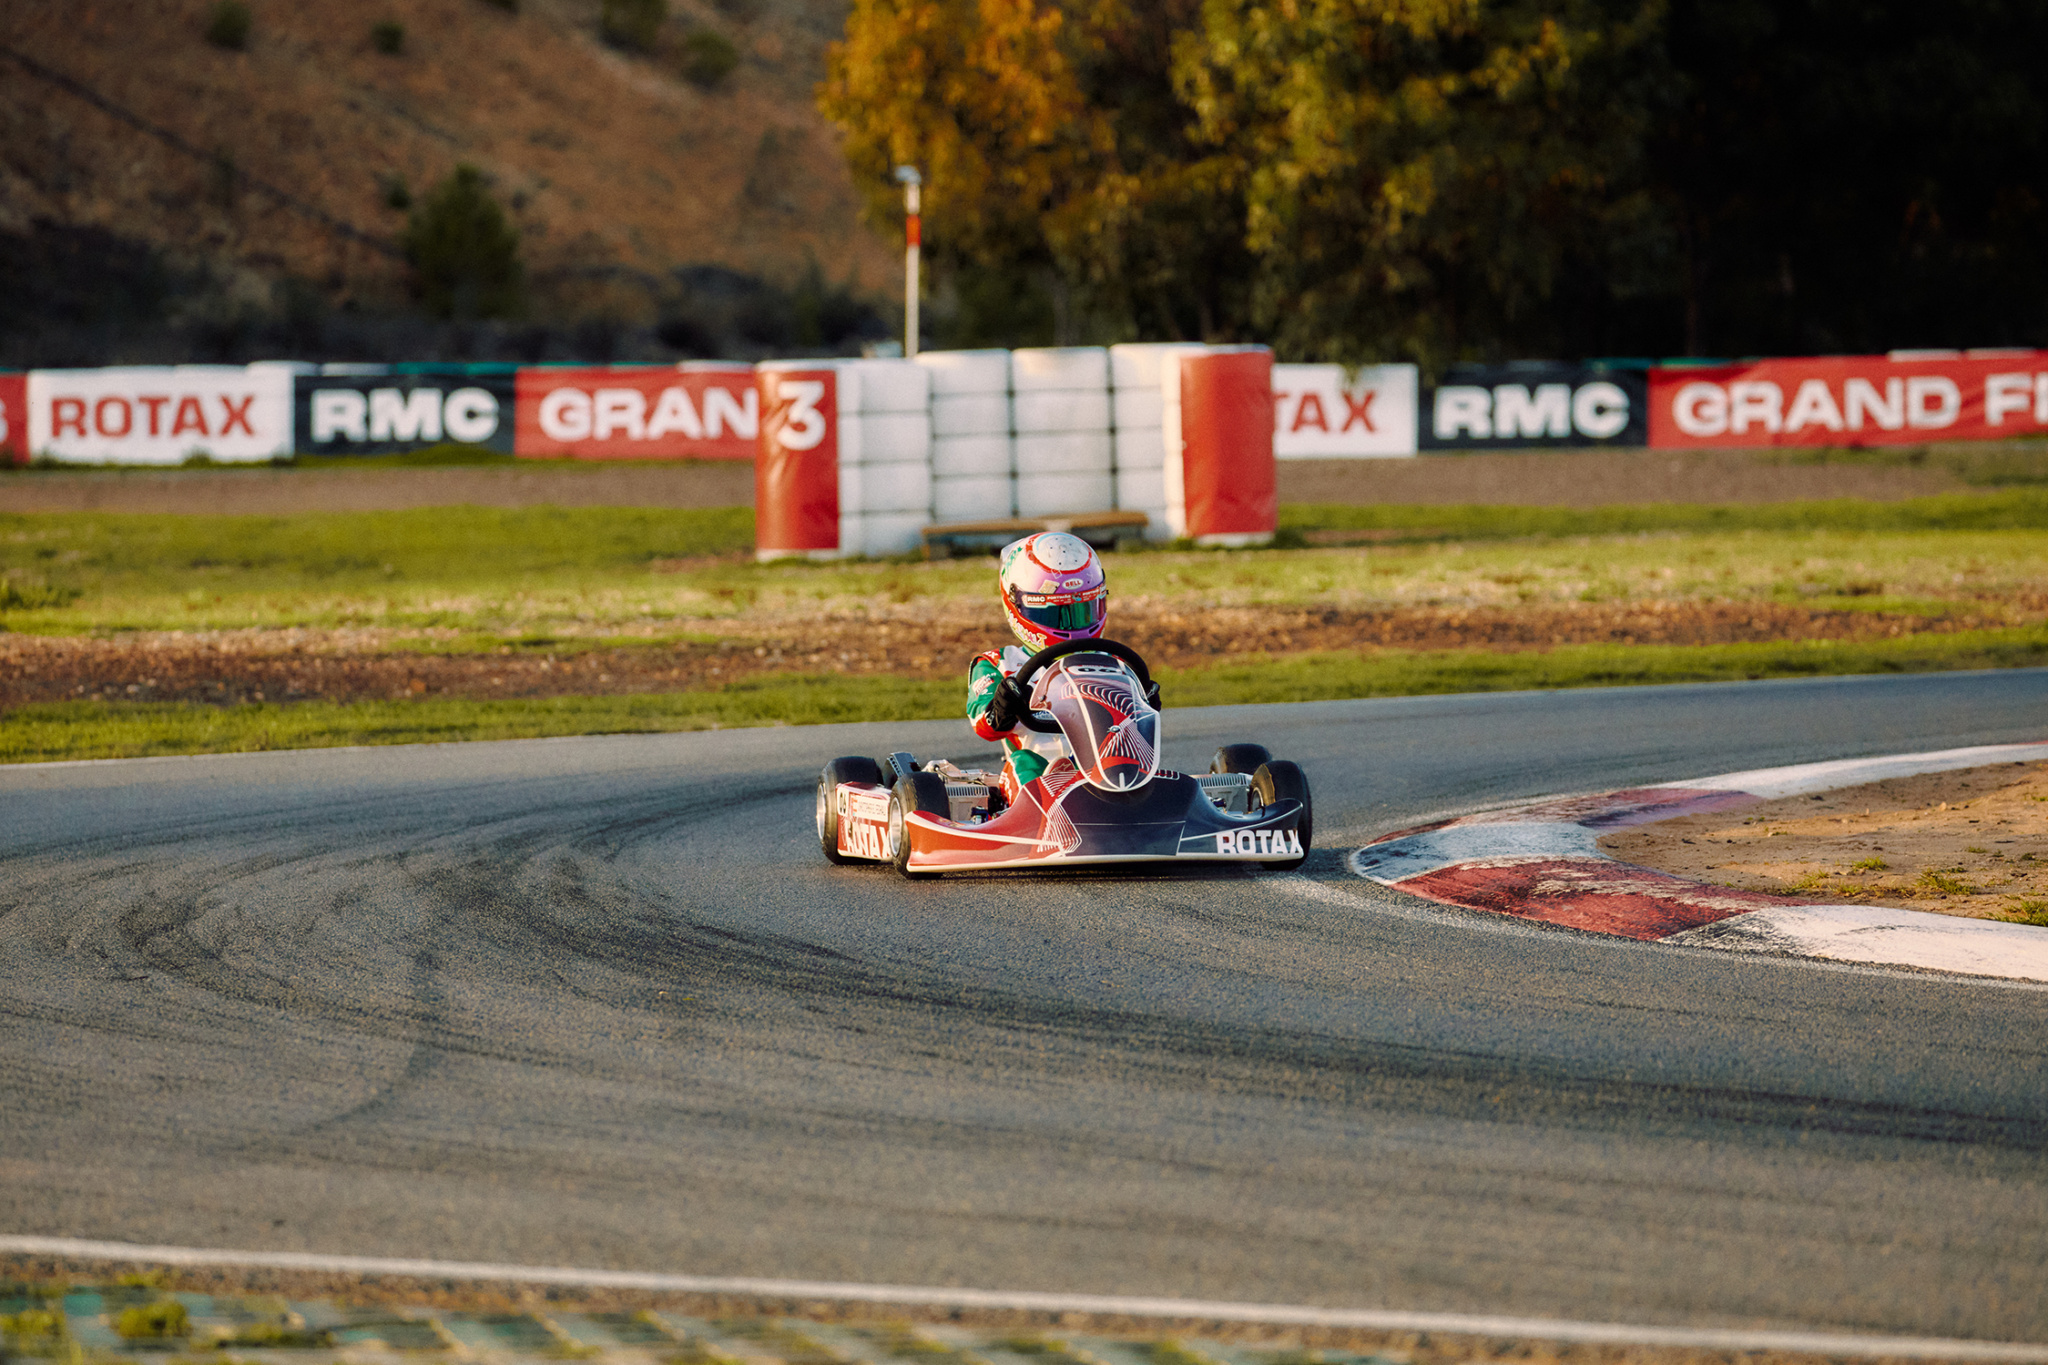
{"points": [[1006, 706]]}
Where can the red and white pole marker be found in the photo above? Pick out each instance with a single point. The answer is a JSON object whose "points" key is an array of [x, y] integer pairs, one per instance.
{"points": [[913, 240]]}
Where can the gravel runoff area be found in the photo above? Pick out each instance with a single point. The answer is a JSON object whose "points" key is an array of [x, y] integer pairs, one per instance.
{"points": [[922, 640], [1971, 842], [1573, 478]]}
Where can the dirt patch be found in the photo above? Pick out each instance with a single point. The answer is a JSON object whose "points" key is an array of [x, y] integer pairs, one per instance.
{"points": [[919, 640], [1538, 479], [1599, 478], [1971, 843], [282, 492]]}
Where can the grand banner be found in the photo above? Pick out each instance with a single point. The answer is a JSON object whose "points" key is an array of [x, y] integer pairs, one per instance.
{"points": [[160, 414], [344, 411], [700, 411], [1535, 403], [1903, 399]]}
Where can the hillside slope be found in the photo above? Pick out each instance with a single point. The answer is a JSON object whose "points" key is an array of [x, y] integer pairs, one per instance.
{"points": [[127, 132]]}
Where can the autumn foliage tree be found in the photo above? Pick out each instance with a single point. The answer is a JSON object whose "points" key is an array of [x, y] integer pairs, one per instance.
{"points": [[1467, 179]]}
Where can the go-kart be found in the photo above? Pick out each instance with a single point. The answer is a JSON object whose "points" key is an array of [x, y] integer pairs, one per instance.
{"points": [[1106, 801]]}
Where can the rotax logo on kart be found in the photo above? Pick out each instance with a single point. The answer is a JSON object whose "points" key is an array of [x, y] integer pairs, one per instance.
{"points": [[1259, 843]]}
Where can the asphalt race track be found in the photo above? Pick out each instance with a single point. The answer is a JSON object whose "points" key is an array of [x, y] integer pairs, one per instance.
{"points": [[599, 1002]]}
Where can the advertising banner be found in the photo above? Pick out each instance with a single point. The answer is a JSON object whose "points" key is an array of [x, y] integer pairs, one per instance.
{"points": [[796, 465], [1534, 404], [160, 414], [1319, 415], [13, 417], [693, 411], [1852, 400], [356, 413]]}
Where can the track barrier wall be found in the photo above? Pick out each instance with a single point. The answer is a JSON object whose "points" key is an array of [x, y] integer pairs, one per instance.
{"points": [[1185, 433]]}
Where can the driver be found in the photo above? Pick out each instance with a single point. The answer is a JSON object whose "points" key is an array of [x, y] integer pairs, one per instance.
{"points": [[1053, 590]]}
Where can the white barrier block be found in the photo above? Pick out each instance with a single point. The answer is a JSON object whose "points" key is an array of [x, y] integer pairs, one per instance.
{"points": [[984, 498], [1143, 489], [1064, 452], [1140, 448], [887, 533], [1141, 364], [1134, 408], [970, 456], [971, 414], [1045, 410], [1059, 367], [884, 437], [967, 371], [901, 487], [884, 386], [1044, 495]]}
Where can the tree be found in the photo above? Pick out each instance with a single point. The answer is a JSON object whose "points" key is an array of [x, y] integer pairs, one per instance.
{"points": [[464, 254], [1424, 178]]}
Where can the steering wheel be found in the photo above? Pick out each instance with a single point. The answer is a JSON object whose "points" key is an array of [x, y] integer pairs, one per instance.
{"points": [[1038, 663]]}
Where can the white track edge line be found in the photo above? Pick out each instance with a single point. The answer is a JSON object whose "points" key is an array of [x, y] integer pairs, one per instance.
{"points": [[1469, 1324]]}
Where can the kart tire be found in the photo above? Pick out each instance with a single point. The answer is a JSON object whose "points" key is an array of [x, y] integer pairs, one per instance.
{"points": [[837, 771], [925, 792], [1239, 758], [1280, 780]]}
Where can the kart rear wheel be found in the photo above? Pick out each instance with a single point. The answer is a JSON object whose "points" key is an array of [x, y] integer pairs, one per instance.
{"points": [[837, 771], [1239, 758], [1278, 781], [924, 792]]}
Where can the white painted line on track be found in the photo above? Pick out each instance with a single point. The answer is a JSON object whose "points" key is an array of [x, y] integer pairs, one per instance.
{"points": [[1468, 1324]]}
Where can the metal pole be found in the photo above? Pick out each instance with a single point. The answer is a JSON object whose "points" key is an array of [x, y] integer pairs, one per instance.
{"points": [[912, 241]]}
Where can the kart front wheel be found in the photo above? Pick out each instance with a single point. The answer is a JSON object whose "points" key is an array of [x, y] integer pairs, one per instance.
{"points": [[1239, 758], [837, 771], [923, 792], [1278, 781]]}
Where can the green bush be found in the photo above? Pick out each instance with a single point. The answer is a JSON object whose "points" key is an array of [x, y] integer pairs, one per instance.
{"points": [[227, 25], [509, 6], [388, 37], [463, 252], [633, 24], [164, 1318], [708, 57]]}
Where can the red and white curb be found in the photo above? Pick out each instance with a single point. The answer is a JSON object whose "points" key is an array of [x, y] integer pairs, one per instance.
{"points": [[1539, 861]]}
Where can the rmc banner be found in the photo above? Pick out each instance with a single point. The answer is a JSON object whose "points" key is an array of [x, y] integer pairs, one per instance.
{"points": [[1901, 399], [344, 411], [1535, 403]]}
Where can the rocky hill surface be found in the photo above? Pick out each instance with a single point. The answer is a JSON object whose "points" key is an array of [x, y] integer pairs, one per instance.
{"points": [[238, 199]]}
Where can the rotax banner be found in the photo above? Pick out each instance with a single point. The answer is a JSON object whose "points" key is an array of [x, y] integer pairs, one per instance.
{"points": [[1321, 413], [701, 411], [1852, 400], [160, 414]]}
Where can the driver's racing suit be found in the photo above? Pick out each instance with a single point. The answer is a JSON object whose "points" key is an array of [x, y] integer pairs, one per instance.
{"points": [[1026, 753]]}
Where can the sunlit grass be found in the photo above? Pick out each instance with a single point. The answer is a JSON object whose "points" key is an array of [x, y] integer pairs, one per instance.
{"points": [[74, 730], [486, 573]]}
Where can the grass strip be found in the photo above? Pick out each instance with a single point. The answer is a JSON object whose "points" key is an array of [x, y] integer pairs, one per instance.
{"points": [[76, 730]]}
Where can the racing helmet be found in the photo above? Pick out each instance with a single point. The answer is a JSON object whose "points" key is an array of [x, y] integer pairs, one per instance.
{"points": [[1053, 589]]}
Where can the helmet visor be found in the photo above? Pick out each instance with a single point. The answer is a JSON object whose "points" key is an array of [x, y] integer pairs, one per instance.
{"points": [[1065, 614]]}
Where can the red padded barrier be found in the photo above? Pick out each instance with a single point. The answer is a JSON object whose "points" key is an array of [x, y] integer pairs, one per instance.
{"points": [[796, 471], [1227, 475], [13, 418]]}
